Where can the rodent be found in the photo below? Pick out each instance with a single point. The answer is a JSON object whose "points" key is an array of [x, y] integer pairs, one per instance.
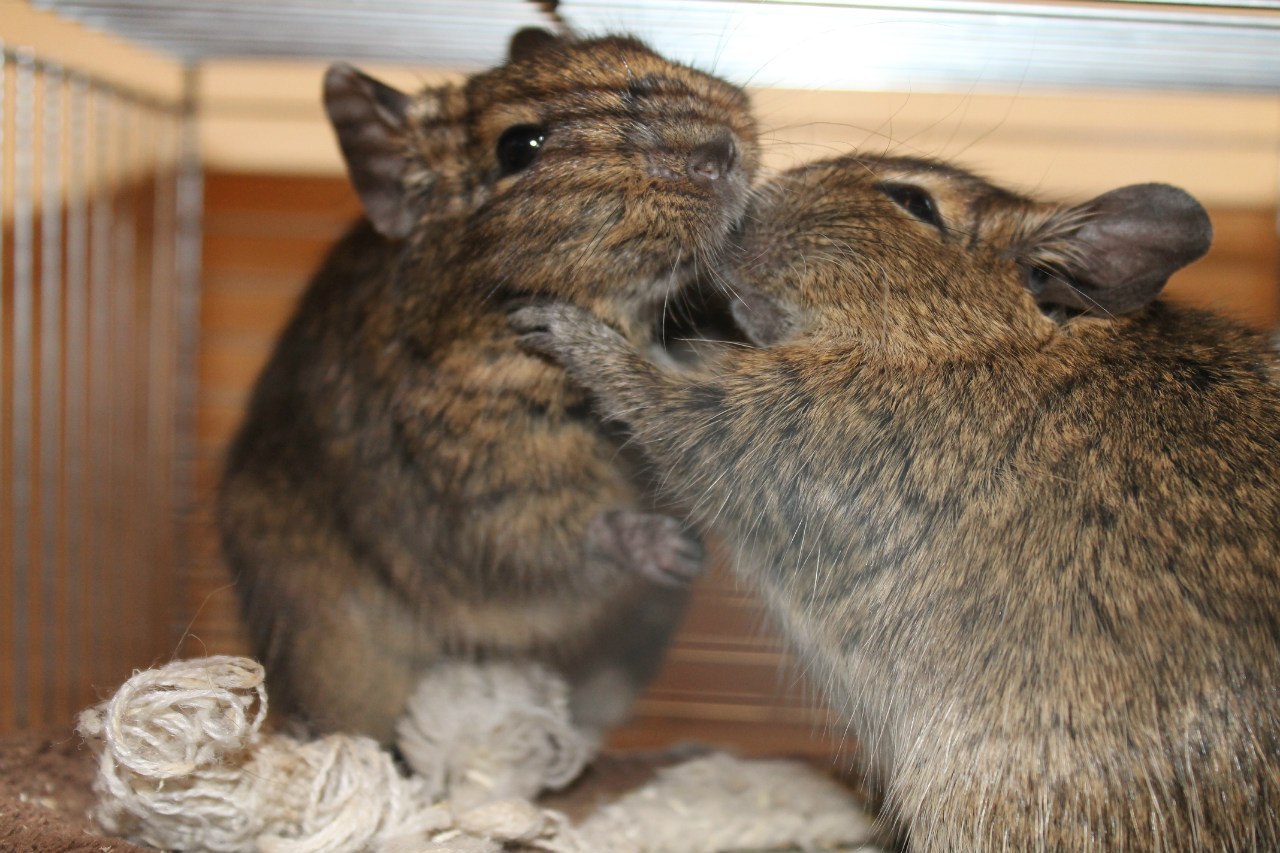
{"points": [[407, 484], [1020, 517]]}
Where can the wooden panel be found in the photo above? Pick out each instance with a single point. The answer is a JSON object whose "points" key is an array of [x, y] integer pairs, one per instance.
{"points": [[102, 56], [266, 117], [1221, 148], [1239, 275], [230, 360], [263, 237], [228, 309], [727, 680]]}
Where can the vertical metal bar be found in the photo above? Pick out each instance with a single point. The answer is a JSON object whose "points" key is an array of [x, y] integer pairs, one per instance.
{"points": [[23, 330], [158, 558], [76, 385], [190, 208], [7, 684], [98, 544], [124, 389], [50, 399]]}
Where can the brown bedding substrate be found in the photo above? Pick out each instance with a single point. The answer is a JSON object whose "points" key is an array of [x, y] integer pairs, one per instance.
{"points": [[45, 796]]}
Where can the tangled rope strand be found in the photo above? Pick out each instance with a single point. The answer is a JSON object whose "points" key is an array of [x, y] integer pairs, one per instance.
{"points": [[183, 765]]}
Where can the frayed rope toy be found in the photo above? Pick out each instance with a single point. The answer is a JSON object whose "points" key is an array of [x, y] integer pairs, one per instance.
{"points": [[183, 765]]}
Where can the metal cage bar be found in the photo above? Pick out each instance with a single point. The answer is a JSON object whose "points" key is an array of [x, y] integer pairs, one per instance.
{"points": [[1210, 45], [22, 381], [97, 287]]}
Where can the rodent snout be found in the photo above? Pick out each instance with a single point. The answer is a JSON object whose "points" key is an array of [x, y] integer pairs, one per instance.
{"points": [[707, 164], [713, 159]]}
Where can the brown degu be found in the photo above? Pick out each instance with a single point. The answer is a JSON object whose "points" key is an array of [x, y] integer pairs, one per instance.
{"points": [[1021, 519], [408, 484]]}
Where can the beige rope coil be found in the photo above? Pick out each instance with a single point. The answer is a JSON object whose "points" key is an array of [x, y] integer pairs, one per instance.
{"points": [[183, 765], [492, 731]]}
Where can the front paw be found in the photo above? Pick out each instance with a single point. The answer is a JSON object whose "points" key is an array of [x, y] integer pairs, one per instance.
{"points": [[656, 547], [566, 333]]}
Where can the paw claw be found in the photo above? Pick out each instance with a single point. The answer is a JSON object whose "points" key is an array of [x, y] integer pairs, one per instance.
{"points": [[539, 343], [528, 318], [564, 332], [657, 547]]}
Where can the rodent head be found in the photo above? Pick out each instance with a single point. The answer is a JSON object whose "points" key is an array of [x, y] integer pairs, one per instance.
{"points": [[913, 255], [591, 170]]}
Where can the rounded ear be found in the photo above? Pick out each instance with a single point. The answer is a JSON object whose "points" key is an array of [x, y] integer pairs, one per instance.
{"points": [[1128, 243], [369, 118], [530, 41]]}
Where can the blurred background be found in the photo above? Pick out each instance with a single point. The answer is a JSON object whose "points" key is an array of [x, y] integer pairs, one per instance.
{"points": [[168, 183]]}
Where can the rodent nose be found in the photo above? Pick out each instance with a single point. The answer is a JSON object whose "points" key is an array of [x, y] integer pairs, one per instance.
{"points": [[714, 159]]}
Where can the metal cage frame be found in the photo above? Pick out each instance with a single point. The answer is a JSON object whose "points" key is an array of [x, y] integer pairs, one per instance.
{"points": [[100, 188]]}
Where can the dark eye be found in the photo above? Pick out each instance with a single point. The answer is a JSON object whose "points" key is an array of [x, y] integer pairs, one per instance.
{"points": [[915, 201], [518, 146], [1037, 279]]}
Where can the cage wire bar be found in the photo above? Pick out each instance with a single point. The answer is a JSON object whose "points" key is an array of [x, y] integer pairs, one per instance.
{"points": [[100, 196], [1197, 45]]}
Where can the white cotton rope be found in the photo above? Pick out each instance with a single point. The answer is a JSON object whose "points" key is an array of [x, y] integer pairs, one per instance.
{"points": [[492, 731], [720, 802], [183, 765]]}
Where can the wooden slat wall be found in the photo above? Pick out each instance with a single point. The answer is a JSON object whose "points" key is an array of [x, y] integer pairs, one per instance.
{"points": [[727, 679], [263, 237]]}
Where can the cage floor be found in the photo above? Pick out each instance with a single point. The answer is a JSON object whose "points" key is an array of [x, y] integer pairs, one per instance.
{"points": [[45, 796]]}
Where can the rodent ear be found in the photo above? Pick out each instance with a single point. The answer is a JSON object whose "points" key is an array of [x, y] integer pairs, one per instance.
{"points": [[529, 42], [764, 321], [1129, 242], [369, 118]]}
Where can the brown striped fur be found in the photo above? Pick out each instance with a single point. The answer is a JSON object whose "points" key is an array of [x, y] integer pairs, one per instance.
{"points": [[408, 483], [1032, 556]]}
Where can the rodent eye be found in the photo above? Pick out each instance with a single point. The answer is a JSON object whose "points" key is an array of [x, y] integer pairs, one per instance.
{"points": [[518, 146], [1037, 278], [915, 201]]}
